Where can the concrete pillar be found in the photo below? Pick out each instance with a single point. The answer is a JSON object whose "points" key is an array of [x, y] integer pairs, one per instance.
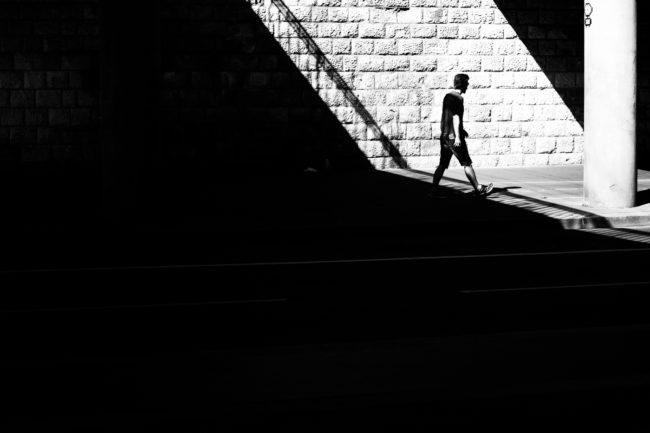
{"points": [[130, 88], [610, 103]]}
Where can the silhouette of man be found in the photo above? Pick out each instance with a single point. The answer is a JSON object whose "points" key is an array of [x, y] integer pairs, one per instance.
{"points": [[452, 138]]}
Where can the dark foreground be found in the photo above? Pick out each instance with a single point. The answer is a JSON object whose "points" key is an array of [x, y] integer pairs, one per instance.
{"points": [[319, 305], [317, 331]]}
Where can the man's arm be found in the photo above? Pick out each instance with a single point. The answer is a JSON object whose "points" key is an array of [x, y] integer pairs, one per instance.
{"points": [[457, 131]]}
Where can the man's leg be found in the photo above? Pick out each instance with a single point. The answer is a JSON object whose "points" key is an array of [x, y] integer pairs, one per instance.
{"points": [[437, 177], [471, 175], [463, 157], [479, 189], [445, 157]]}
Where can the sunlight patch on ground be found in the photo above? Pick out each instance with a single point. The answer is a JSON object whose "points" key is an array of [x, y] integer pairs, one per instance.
{"points": [[540, 191]]}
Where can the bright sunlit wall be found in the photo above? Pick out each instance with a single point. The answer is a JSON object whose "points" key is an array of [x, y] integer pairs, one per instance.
{"points": [[398, 58]]}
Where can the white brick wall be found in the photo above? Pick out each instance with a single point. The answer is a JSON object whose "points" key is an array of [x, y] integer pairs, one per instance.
{"points": [[398, 57]]}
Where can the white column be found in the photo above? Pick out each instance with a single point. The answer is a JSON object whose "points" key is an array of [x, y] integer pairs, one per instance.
{"points": [[610, 104]]}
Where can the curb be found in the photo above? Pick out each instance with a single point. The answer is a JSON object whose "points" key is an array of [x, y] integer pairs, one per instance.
{"points": [[626, 221]]}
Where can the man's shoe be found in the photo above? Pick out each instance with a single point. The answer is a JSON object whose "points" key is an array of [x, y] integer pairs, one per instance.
{"points": [[485, 190]]}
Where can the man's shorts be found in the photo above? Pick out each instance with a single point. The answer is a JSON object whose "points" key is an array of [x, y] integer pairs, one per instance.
{"points": [[447, 149]]}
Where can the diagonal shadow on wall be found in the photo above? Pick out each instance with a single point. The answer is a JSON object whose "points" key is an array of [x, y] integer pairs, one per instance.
{"points": [[324, 64], [233, 98], [552, 31]]}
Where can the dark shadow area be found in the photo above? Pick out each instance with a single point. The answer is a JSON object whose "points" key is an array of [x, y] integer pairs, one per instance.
{"points": [[264, 294], [49, 135], [505, 188], [495, 190], [232, 98], [235, 107], [643, 197], [202, 345], [553, 32], [240, 125]]}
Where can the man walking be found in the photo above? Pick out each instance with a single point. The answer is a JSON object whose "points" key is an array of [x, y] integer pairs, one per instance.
{"points": [[452, 138]]}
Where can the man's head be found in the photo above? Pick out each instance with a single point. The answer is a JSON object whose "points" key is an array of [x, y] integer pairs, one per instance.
{"points": [[461, 82]]}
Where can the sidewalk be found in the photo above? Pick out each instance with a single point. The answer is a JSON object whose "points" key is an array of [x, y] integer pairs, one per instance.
{"points": [[397, 200], [552, 192]]}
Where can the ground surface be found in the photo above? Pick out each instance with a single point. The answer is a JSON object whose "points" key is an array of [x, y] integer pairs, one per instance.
{"points": [[399, 322]]}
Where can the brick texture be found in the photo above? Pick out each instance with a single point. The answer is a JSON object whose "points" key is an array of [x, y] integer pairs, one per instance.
{"points": [[242, 83], [48, 63], [396, 60]]}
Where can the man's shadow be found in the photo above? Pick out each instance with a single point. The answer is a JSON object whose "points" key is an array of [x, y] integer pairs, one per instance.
{"points": [[452, 193]]}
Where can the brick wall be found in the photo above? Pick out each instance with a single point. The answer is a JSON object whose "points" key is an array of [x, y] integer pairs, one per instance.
{"points": [[398, 57], [48, 81], [232, 98], [355, 75]]}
